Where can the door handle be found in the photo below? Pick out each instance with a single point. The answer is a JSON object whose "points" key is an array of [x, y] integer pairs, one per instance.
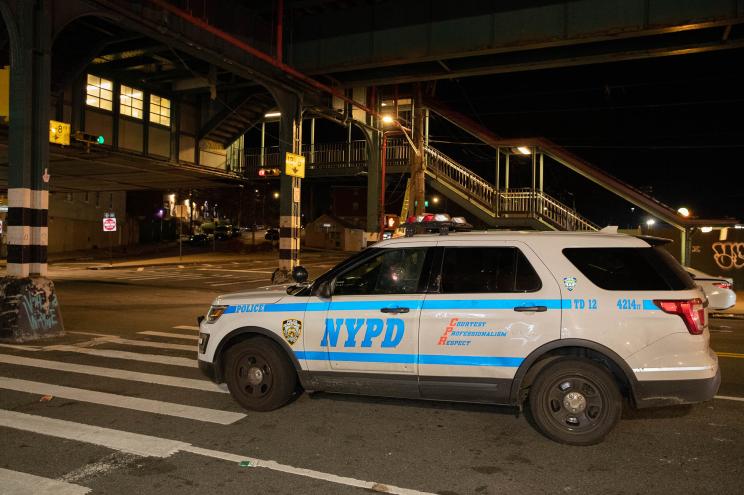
{"points": [[395, 311], [530, 309]]}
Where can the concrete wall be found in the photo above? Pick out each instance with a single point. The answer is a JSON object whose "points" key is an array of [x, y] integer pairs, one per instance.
{"points": [[75, 221]]}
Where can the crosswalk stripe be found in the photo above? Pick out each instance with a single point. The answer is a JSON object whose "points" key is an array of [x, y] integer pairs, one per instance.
{"points": [[135, 376], [131, 356], [123, 441], [186, 327], [170, 335], [149, 446], [17, 483], [125, 402], [145, 343], [240, 282]]}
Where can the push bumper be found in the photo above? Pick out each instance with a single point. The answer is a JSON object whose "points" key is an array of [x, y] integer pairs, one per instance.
{"points": [[657, 393]]}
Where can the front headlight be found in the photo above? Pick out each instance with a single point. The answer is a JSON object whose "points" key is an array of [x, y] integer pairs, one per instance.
{"points": [[215, 312]]}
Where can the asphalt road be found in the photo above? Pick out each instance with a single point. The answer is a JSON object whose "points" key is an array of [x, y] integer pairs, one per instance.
{"points": [[69, 407]]}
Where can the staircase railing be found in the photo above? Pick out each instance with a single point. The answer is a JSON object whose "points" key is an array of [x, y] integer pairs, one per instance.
{"points": [[518, 203], [344, 158]]}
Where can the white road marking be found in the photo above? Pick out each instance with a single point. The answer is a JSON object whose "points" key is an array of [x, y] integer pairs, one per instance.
{"points": [[101, 467], [170, 335], [239, 282], [21, 347], [17, 483], [146, 445], [123, 441], [187, 327], [131, 356], [135, 376], [141, 269], [144, 343], [113, 400], [233, 270], [728, 397]]}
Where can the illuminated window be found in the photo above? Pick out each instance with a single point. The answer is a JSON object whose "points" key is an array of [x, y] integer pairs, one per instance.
{"points": [[160, 109], [99, 93], [130, 102]]}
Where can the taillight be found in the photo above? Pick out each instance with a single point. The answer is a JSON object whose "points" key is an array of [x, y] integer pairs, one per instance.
{"points": [[723, 285], [691, 311]]}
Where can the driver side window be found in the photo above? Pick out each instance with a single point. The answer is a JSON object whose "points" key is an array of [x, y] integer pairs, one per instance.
{"points": [[392, 271]]}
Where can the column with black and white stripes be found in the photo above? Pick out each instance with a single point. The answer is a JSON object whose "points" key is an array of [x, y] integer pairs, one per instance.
{"points": [[28, 139], [290, 140]]}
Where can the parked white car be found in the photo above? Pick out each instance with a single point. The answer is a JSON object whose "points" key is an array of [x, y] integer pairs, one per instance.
{"points": [[718, 290]]}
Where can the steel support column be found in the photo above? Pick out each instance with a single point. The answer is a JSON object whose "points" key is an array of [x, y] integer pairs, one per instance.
{"points": [[290, 139], [373, 178]]}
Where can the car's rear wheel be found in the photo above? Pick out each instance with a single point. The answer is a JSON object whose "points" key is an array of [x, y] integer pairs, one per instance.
{"points": [[575, 401], [259, 374]]}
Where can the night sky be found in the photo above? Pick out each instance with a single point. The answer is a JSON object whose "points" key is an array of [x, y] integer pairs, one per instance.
{"points": [[672, 126]]}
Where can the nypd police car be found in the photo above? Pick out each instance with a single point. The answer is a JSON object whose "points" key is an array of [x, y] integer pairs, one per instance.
{"points": [[567, 325]]}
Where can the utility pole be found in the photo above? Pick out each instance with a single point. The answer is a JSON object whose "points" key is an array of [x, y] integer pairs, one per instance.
{"points": [[418, 173]]}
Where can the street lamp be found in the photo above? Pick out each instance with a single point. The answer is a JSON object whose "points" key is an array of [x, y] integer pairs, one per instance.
{"points": [[706, 230], [650, 222], [685, 212], [276, 195]]}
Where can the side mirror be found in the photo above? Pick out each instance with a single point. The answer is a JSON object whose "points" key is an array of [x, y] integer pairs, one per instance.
{"points": [[324, 290], [299, 274]]}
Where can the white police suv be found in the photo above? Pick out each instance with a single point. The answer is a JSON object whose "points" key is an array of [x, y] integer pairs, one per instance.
{"points": [[567, 324]]}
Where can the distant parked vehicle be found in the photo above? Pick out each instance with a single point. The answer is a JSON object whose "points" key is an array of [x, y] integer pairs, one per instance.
{"points": [[199, 239], [223, 232], [718, 290], [272, 234]]}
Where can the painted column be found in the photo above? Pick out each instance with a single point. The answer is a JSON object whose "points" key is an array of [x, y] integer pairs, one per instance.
{"points": [[373, 178], [290, 140]]}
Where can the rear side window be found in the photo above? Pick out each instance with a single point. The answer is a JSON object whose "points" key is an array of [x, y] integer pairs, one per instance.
{"points": [[487, 269], [649, 268]]}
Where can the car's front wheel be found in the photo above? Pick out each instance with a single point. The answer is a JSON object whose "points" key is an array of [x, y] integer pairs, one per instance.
{"points": [[575, 401], [259, 375]]}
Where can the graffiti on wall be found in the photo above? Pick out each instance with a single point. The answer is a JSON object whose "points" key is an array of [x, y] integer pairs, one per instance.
{"points": [[41, 308], [728, 255]]}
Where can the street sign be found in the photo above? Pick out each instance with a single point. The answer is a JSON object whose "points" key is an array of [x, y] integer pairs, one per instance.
{"points": [[109, 224], [59, 133], [295, 165]]}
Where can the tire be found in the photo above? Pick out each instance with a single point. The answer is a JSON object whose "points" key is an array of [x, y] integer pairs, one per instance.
{"points": [[259, 375], [575, 402]]}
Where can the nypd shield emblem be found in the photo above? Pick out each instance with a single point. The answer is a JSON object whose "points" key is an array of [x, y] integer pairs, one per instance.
{"points": [[292, 329], [570, 283]]}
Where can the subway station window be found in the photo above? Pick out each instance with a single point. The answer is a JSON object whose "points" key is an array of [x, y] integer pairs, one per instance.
{"points": [[130, 102], [99, 93], [160, 110]]}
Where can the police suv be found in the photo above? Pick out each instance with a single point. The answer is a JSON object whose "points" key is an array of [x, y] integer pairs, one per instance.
{"points": [[565, 324]]}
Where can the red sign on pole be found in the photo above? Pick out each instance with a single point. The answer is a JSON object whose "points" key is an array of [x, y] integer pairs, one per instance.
{"points": [[109, 224]]}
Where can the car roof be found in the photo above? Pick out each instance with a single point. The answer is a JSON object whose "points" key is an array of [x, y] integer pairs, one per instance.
{"points": [[552, 237]]}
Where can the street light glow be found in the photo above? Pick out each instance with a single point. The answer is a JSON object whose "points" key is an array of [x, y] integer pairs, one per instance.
{"points": [[435, 199], [706, 230], [650, 222], [387, 119], [276, 195], [524, 150], [272, 114], [683, 211]]}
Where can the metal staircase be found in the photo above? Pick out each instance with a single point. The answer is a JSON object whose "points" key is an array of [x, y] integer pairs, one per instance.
{"points": [[482, 198]]}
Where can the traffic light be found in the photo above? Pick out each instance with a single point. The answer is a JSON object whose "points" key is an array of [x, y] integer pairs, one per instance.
{"points": [[269, 172], [89, 138]]}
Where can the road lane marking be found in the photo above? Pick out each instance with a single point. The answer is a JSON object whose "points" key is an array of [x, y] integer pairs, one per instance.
{"points": [[728, 397], [233, 270], [131, 356], [149, 446], [187, 327], [143, 343], [731, 355], [17, 483], [239, 282], [122, 401], [170, 335], [21, 347], [135, 376], [123, 441]]}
